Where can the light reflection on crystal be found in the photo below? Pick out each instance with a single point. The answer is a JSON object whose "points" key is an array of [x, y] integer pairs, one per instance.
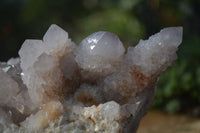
{"points": [[5, 69], [92, 47], [91, 40], [93, 87]]}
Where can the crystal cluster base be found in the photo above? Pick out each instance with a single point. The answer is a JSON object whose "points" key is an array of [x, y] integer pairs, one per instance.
{"points": [[94, 87]]}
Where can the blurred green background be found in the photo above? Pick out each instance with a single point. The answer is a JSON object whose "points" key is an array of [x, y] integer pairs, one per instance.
{"points": [[131, 20]]}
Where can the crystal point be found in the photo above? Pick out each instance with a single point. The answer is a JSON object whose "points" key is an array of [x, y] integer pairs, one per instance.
{"points": [[55, 35], [56, 86]]}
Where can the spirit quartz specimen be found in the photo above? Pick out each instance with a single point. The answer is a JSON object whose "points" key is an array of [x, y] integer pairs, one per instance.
{"points": [[93, 87]]}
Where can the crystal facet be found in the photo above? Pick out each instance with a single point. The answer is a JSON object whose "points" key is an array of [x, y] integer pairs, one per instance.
{"points": [[57, 86]]}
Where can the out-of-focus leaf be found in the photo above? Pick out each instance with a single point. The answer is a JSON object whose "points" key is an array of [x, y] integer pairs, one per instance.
{"points": [[126, 26], [172, 106]]}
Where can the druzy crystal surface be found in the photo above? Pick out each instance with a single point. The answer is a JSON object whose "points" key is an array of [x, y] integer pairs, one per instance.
{"points": [[94, 87]]}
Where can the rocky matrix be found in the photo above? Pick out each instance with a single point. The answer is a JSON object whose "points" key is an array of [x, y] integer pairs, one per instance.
{"points": [[93, 87]]}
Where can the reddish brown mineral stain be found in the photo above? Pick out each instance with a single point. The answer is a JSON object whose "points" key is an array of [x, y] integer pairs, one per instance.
{"points": [[87, 99]]}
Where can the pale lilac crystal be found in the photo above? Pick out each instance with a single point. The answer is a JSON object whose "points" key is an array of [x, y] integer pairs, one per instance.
{"points": [[99, 51], [40, 62], [8, 88], [155, 53], [56, 86]]}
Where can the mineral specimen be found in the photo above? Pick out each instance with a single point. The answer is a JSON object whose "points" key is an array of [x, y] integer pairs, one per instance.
{"points": [[57, 86]]}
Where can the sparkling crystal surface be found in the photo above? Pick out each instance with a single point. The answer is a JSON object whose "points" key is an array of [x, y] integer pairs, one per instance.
{"points": [[57, 86]]}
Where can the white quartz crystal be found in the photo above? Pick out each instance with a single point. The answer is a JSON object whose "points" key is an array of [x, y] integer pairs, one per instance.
{"points": [[57, 41], [29, 52], [105, 116], [38, 121], [55, 36], [13, 61], [8, 88], [154, 54], [95, 87], [40, 61], [99, 52]]}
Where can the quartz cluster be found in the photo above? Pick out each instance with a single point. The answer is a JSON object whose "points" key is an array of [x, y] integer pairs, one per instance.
{"points": [[94, 87]]}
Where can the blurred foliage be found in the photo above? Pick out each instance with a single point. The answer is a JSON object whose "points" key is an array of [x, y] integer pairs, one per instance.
{"points": [[178, 88]]}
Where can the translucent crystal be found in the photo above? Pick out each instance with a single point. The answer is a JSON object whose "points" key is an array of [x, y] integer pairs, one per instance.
{"points": [[156, 53], [8, 88], [29, 52], [40, 61], [99, 52], [56, 86]]}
